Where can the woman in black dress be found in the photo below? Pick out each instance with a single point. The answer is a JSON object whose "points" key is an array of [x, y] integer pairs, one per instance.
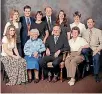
{"points": [[62, 21], [41, 26]]}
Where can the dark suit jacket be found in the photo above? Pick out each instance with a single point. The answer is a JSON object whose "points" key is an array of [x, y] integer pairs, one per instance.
{"points": [[61, 44], [24, 29], [52, 23]]}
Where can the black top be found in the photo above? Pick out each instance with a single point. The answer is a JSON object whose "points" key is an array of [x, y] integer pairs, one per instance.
{"points": [[64, 28], [62, 44], [42, 27]]}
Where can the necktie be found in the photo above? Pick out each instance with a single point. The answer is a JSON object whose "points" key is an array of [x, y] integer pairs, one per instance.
{"points": [[49, 23], [90, 36], [28, 21], [55, 39]]}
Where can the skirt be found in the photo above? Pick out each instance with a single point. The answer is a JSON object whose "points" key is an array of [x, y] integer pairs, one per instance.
{"points": [[15, 69], [32, 63]]}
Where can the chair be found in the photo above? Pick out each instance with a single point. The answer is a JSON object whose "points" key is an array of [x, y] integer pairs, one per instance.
{"points": [[86, 66], [61, 65]]}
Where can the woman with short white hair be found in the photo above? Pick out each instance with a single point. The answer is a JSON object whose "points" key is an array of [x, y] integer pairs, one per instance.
{"points": [[33, 49]]}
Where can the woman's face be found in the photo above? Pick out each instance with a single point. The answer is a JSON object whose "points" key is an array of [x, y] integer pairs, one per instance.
{"points": [[15, 16], [38, 17], [76, 19], [75, 33], [34, 35], [61, 15], [11, 31]]}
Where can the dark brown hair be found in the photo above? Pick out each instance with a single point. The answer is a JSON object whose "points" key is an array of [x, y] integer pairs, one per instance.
{"points": [[27, 7], [64, 20], [77, 13], [39, 12]]}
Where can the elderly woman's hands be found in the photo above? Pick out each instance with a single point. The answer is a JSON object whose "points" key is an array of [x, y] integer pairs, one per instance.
{"points": [[35, 54]]}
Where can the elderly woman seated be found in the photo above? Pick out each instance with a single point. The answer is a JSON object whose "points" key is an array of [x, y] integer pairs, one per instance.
{"points": [[75, 57], [33, 49]]}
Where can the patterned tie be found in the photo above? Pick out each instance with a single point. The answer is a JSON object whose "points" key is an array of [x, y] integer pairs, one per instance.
{"points": [[28, 21], [90, 36], [55, 39], [49, 23]]}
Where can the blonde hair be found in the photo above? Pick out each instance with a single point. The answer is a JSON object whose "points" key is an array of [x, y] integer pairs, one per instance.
{"points": [[8, 35], [12, 13]]}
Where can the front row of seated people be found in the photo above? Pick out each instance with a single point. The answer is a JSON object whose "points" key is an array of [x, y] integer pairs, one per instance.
{"points": [[17, 68]]}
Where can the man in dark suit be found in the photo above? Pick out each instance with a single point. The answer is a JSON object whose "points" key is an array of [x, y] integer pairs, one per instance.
{"points": [[55, 45], [49, 19], [26, 22]]}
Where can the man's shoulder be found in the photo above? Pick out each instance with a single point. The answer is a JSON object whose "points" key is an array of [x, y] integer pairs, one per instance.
{"points": [[96, 29]]}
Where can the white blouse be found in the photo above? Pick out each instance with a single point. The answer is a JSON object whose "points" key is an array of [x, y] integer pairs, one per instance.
{"points": [[75, 45], [81, 27], [10, 45]]}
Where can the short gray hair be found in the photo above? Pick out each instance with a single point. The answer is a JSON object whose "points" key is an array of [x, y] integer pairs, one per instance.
{"points": [[35, 30]]}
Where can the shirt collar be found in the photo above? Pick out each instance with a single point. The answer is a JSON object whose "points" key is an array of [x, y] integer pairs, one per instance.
{"points": [[48, 17], [33, 39]]}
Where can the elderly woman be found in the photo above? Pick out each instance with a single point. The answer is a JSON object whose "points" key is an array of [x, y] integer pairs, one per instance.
{"points": [[75, 57], [33, 49], [15, 66]]}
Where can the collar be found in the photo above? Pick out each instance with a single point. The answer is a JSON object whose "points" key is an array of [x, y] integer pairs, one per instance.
{"points": [[33, 39]]}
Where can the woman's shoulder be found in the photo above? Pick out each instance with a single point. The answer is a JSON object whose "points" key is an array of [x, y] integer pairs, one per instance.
{"points": [[8, 23], [4, 39]]}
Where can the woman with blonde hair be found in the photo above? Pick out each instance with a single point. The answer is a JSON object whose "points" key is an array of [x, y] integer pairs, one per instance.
{"points": [[15, 66], [14, 20]]}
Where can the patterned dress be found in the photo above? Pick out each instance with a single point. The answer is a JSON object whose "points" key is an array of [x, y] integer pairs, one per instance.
{"points": [[15, 68]]}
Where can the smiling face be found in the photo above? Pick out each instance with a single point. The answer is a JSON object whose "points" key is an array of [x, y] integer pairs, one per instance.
{"points": [[90, 23], [56, 30], [75, 33], [38, 17], [12, 31], [27, 12], [48, 11], [34, 35], [76, 19], [15, 16], [61, 15]]}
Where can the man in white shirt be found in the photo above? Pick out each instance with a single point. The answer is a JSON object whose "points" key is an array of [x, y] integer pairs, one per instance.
{"points": [[75, 57]]}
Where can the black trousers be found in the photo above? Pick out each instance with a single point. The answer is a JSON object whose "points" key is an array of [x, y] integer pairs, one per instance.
{"points": [[55, 62]]}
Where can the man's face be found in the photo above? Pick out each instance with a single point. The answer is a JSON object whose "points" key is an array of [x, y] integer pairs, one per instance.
{"points": [[48, 11], [90, 23], [56, 30], [27, 12]]}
